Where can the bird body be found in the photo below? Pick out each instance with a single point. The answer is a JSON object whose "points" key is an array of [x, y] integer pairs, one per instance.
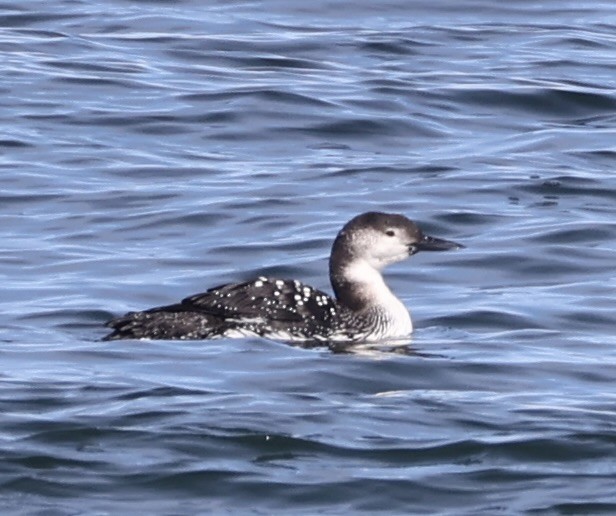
{"points": [[363, 309]]}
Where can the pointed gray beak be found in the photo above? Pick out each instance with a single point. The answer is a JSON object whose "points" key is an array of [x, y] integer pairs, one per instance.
{"points": [[428, 243]]}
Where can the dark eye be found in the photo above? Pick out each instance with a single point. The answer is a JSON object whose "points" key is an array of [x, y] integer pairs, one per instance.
{"points": [[390, 232]]}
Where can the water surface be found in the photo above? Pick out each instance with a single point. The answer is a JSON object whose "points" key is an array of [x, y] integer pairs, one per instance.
{"points": [[150, 150]]}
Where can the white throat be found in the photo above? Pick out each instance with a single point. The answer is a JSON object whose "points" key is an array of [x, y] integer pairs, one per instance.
{"points": [[369, 281]]}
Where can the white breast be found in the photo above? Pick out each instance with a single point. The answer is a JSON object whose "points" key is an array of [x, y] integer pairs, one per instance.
{"points": [[379, 296]]}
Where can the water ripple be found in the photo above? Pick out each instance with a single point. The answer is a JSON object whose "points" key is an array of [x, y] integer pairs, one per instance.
{"points": [[153, 149]]}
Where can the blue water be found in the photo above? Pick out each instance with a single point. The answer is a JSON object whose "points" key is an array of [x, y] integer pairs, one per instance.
{"points": [[150, 150]]}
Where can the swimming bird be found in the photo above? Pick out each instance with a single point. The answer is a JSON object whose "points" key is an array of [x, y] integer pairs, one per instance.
{"points": [[364, 309]]}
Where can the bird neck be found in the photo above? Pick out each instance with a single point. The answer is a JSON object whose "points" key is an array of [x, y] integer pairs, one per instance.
{"points": [[358, 285]]}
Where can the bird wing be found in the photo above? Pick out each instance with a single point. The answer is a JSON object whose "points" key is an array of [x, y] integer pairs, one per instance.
{"points": [[267, 298]]}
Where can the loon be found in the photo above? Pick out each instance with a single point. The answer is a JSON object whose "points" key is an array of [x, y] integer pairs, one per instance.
{"points": [[364, 308]]}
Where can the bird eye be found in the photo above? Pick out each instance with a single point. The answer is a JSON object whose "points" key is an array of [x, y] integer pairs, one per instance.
{"points": [[390, 232]]}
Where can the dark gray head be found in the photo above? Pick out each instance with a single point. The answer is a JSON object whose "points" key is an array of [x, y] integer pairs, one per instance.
{"points": [[367, 244], [382, 239]]}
